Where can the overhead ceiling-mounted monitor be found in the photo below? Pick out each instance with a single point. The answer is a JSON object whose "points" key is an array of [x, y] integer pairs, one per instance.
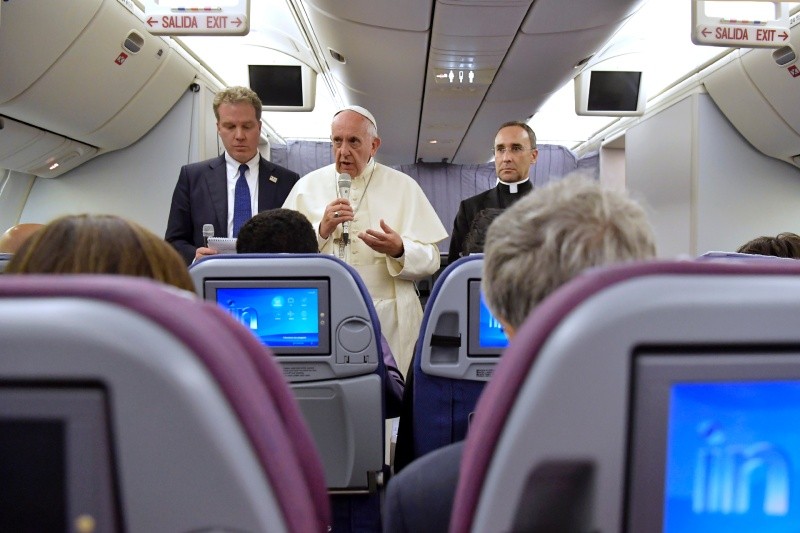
{"points": [[611, 93], [284, 87]]}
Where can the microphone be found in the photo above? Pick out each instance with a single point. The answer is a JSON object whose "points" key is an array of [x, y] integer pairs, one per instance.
{"points": [[208, 232], [343, 183]]}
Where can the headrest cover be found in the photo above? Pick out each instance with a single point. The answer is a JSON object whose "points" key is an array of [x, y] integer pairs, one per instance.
{"points": [[361, 111]]}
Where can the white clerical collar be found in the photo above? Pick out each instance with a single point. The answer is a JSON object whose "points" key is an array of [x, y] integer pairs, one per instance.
{"points": [[512, 187]]}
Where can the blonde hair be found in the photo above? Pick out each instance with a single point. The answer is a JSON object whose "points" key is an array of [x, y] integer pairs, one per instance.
{"points": [[237, 95], [100, 244]]}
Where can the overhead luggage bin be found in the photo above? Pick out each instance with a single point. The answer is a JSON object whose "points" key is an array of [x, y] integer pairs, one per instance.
{"points": [[99, 78]]}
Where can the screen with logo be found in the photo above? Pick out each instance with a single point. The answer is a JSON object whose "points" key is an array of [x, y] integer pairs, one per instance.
{"points": [[485, 334], [733, 450], [289, 316], [716, 444]]}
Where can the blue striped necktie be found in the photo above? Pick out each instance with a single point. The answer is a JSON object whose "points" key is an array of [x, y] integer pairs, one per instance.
{"points": [[241, 202]]}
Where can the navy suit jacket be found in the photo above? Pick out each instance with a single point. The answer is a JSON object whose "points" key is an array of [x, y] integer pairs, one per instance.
{"points": [[201, 197]]}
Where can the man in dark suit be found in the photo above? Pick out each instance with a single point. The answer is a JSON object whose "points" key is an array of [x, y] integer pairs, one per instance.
{"points": [[514, 153], [206, 192]]}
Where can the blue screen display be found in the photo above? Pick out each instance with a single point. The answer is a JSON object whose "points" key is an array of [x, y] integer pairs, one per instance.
{"points": [[280, 317], [733, 457], [490, 332]]}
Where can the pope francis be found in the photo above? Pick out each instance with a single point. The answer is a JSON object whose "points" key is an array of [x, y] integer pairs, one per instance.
{"points": [[394, 227]]}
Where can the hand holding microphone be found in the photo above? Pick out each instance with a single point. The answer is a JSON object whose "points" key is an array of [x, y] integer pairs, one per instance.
{"points": [[205, 251], [343, 183], [208, 232]]}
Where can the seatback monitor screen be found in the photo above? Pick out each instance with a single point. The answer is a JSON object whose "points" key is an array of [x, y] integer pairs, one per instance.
{"points": [[289, 316], [485, 334], [733, 453], [716, 446]]}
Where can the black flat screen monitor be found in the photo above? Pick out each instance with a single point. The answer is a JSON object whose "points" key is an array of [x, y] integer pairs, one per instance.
{"points": [[277, 85], [485, 335], [56, 472], [291, 316], [715, 443], [611, 90], [284, 87]]}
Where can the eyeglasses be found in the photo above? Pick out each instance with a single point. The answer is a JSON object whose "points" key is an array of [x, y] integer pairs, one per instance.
{"points": [[515, 150]]}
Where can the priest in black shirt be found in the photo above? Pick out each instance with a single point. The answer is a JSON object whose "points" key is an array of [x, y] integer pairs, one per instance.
{"points": [[514, 153]]}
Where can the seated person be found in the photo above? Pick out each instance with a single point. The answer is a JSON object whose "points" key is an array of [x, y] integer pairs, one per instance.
{"points": [[785, 244], [288, 231], [12, 239], [277, 231], [100, 244], [532, 248]]}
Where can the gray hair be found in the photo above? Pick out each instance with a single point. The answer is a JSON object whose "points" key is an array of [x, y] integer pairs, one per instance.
{"points": [[553, 234]]}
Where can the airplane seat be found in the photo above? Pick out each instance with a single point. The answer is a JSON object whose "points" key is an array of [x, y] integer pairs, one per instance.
{"points": [[628, 394], [4, 260], [127, 405], [450, 370], [739, 256], [329, 349], [424, 286]]}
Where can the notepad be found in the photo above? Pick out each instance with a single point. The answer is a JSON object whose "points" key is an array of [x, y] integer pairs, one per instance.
{"points": [[223, 245]]}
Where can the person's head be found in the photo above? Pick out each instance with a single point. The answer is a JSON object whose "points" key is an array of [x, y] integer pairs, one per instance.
{"points": [[785, 244], [14, 236], [354, 135], [514, 151], [476, 237], [238, 112], [277, 231], [100, 244], [551, 235]]}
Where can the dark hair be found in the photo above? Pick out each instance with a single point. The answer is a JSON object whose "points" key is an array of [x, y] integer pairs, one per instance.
{"points": [[100, 244], [524, 126], [277, 231], [785, 244], [476, 236]]}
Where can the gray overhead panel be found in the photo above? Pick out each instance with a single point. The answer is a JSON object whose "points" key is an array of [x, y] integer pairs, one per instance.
{"points": [[469, 41], [528, 48], [129, 80], [530, 74], [356, 38]]}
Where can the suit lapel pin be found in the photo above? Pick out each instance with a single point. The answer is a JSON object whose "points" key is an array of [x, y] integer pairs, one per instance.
{"points": [[273, 179]]}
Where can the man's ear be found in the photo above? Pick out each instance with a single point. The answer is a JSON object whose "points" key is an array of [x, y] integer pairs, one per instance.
{"points": [[509, 331]]}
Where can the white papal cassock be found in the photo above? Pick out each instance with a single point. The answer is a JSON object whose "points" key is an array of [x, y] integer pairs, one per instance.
{"points": [[380, 192]]}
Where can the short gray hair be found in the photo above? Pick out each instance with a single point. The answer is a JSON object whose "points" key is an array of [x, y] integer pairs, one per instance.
{"points": [[553, 234]]}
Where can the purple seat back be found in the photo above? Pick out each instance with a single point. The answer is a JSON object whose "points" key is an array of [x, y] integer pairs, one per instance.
{"points": [[535, 359], [244, 371]]}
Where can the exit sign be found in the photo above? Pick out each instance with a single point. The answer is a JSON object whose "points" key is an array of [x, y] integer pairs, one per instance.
{"points": [[190, 17]]}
